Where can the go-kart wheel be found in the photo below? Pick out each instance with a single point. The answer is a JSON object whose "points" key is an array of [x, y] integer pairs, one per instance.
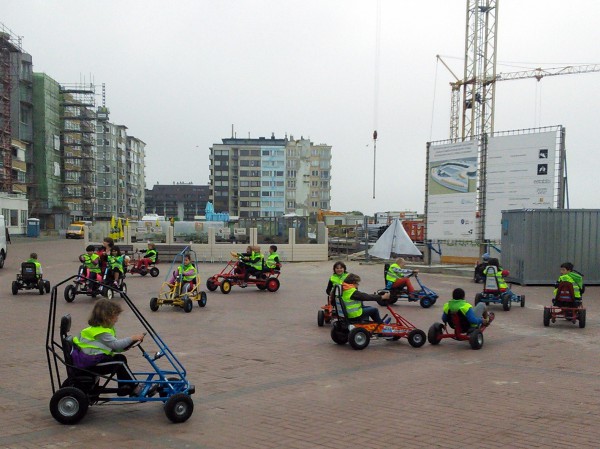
{"points": [[272, 284], [188, 305], [211, 285], [202, 300], [108, 293], [47, 286], [261, 285], [425, 302], [506, 303], [225, 287], [320, 318], [68, 405], [581, 318], [154, 272], [478, 297], [338, 335], [70, 291], [179, 407], [154, 304], [522, 300], [15, 287], [547, 315], [417, 338], [359, 338], [41, 287], [435, 332], [383, 302], [476, 339], [1, 260], [143, 271], [393, 300]]}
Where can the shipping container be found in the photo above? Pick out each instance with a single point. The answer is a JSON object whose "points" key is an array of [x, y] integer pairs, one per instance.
{"points": [[536, 242], [415, 229]]}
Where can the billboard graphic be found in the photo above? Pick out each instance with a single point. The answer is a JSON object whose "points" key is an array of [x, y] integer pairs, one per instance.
{"points": [[521, 174], [452, 190]]}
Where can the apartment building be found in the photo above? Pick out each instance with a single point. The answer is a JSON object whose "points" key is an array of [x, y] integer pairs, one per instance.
{"points": [[270, 177], [135, 181]]}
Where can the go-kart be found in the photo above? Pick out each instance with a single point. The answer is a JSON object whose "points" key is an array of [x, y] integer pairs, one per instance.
{"points": [[180, 294], [142, 270], [234, 273], [425, 296], [28, 279], [327, 312], [81, 388], [83, 285], [359, 333], [460, 330], [493, 295], [565, 305]]}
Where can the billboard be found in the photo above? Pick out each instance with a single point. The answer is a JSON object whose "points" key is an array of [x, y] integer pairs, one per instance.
{"points": [[452, 191], [521, 174]]}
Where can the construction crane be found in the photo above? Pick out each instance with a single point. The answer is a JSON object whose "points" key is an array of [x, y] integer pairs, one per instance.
{"points": [[478, 85], [538, 74]]}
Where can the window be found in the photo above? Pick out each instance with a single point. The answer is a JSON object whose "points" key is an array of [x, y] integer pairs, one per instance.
{"points": [[244, 183], [291, 184], [325, 174], [291, 204], [266, 193], [279, 173], [267, 173], [291, 173], [314, 173]]}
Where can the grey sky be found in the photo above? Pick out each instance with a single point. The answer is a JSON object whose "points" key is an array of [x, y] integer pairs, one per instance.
{"points": [[180, 73]]}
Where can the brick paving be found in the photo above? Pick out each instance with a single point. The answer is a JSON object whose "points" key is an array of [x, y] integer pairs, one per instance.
{"points": [[267, 377]]}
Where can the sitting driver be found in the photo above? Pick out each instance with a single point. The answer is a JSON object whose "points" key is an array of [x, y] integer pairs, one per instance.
{"points": [[568, 274], [476, 316], [353, 300], [397, 277], [148, 258], [187, 271]]}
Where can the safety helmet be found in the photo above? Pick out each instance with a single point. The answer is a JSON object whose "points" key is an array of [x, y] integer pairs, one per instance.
{"points": [[486, 257]]}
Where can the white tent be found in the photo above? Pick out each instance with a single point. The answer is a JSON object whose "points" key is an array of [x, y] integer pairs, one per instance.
{"points": [[394, 240]]}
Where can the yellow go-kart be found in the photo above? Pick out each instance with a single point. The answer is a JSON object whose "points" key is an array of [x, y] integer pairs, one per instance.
{"points": [[177, 292]]}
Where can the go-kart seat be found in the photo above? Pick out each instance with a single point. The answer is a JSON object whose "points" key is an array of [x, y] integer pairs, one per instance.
{"points": [[491, 281], [28, 273], [565, 295], [459, 322], [67, 344], [341, 307]]}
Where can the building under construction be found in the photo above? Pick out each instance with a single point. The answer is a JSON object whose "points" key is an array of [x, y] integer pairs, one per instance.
{"points": [[78, 118]]}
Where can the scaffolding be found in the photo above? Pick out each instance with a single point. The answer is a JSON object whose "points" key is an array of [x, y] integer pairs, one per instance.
{"points": [[9, 43], [78, 119]]}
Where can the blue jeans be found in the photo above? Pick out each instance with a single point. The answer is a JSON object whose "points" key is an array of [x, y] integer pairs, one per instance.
{"points": [[371, 312]]}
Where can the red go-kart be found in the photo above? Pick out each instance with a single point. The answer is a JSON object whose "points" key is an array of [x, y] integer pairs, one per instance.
{"points": [[234, 273], [359, 333], [565, 305], [460, 330]]}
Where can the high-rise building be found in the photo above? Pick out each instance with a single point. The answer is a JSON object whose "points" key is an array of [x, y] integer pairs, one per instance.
{"points": [[78, 117], [120, 170], [135, 178], [270, 177], [45, 193]]}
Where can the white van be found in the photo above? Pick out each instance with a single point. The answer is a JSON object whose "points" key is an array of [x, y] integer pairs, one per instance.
{"points": [[3, 234]]}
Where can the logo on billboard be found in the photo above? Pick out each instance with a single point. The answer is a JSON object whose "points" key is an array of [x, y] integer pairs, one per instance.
{"points": [[542, 169], [543, 154]]}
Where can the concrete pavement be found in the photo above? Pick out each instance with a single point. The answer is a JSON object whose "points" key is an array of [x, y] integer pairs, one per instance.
{"points": [[267, 377]]}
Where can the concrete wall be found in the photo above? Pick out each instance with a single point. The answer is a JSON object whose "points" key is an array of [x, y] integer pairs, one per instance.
{"points": [[220, 252]]}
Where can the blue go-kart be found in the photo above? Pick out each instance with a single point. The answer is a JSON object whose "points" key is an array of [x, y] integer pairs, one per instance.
{"points": [[425, 296], [75, 389], [493, 295]]}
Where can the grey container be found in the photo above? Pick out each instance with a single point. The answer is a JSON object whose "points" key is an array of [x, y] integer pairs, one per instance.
{"points": [[536, 242]]}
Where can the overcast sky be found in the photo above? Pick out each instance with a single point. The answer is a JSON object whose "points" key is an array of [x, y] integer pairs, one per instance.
{"points": [[179, 74]]}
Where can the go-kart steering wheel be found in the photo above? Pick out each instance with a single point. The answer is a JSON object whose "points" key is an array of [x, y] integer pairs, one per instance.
{"points": [[134, 344]]}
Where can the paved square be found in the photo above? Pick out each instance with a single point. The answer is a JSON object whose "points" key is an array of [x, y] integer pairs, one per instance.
{"points": [[267, 377]]}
